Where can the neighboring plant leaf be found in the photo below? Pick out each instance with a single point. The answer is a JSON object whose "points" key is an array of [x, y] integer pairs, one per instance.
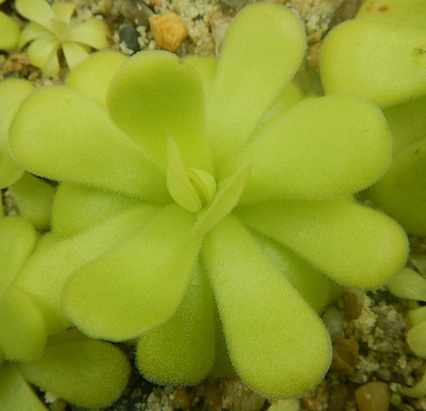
{"points": [[402, 191], [38, 11], [12, 92], [385, 63], [9, 32], [93, 75], [85, 372], [408, 284], [395, 11], [407, 122]]}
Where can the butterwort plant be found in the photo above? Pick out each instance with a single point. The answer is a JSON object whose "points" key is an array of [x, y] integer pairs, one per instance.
{"points": [[52, 28], [204, 211]]}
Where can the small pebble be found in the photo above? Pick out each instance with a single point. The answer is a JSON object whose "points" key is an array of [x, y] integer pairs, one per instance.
{"points": [[168, 30], [129, 35], [373, 396], [345, 355]]}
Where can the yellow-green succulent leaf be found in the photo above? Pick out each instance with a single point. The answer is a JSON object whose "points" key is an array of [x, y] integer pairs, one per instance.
{"points": [[222, 367], [33, 198], [15, 392], [38, 11], [416, 339], [51, 68], [417, 315], [63, 11], [402, 190], [299, 273], [407, 122], [227, 197], [416, 391], [92, 32], [22, 330], [9, 32], [203, 183], [60, 29], [385, 63], [206, 68], [178, 182], [41, 49], [256, 62], [395, 11], [313, 151], [75, 141], [408, 284], [17, 240], [88, 373], [74, 53], [30, 32], [352, 244], [281, 106], [182, 350], [77, 208], [45, 274], [138, 285], [93, 75], [12, 92], [277, 344], [154, 97]]}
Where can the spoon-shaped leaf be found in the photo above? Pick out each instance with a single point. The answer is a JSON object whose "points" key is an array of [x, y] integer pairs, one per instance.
{"points": [[77, 208], [331, 146], [45, 274], [277, 344], [385, 63], [182, 350], [15, 392], [402, 190], [22, 331], [140, 284], [88, 373], [74, 140], [155, 96], [262, 51], [352, 244]]}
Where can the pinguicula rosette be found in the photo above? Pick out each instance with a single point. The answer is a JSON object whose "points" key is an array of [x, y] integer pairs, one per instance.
{"points": [[51, 28], [193, 220], [9, 31]]}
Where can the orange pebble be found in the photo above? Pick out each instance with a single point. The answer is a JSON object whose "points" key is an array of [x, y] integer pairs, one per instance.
{"points": [[168, 30]]}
